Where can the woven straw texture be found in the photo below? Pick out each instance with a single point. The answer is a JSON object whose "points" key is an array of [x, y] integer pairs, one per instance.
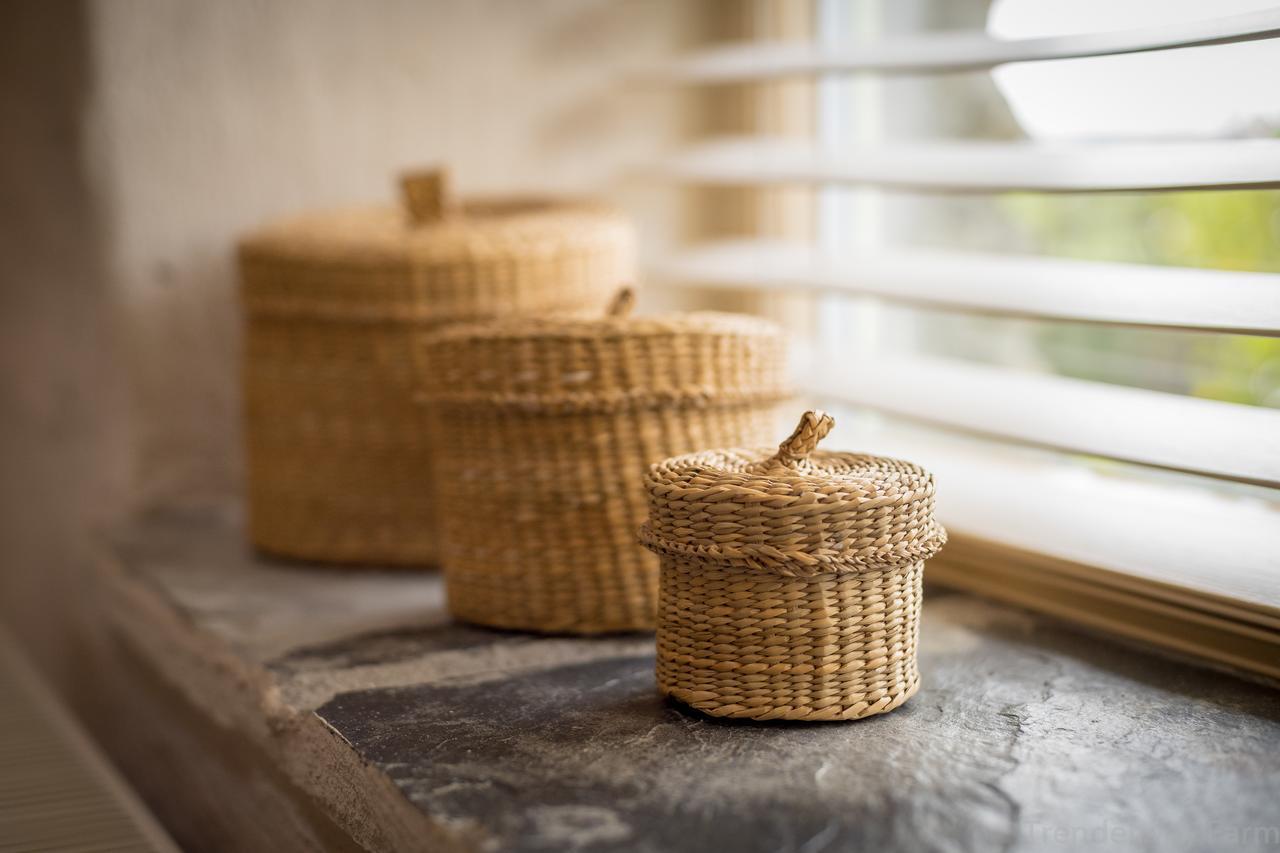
{"points": [[338, 451], [791, 583], [548, 428]]}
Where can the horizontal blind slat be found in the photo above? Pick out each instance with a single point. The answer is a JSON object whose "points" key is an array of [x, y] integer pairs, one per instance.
{"points": [[1023, 286], [1222, 440], [1180, 535], [964, 50], [986, 167]]}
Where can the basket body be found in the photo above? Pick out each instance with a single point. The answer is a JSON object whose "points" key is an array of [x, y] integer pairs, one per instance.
{"points": [[547, 428], [831, 646], [338, 452], [539, 511], [791, 584]]}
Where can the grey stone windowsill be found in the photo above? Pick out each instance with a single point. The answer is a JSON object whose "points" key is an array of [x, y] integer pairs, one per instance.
{"points": [[412, 732]]}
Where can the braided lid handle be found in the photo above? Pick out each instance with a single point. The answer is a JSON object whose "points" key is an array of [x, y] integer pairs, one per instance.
{"points": [[624, 302], [425, 194], [813, 427]]}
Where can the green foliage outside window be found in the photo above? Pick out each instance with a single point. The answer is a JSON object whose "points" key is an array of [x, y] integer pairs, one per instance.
{"points": [[1219, 230]]}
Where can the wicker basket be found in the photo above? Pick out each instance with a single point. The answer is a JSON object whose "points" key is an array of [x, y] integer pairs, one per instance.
{"points": [[791, 583], [338, 452], [550, 427]]}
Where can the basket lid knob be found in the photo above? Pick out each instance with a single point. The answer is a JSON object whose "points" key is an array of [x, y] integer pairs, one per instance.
{"points": [[624, 302], [425, 194], [813, 427]]}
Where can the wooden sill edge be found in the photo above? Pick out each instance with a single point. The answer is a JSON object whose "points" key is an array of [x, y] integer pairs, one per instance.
{"points": [[1206, 626]]}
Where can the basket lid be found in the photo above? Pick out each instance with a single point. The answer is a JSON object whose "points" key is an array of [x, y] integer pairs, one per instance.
{"points": [[450, 252], [797, 511], [570, 363]]}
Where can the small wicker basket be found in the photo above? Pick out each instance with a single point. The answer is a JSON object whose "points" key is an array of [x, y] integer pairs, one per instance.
{"points": [[547, 429], [338, 451], [791, 583]]}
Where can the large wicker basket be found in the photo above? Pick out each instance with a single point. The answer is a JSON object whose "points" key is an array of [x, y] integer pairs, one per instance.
{"points": [[338, 452], [547, 429], [791, 583]]}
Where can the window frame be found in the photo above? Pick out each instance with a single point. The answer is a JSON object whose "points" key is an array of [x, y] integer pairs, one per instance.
{"points": [[1181, 613]]}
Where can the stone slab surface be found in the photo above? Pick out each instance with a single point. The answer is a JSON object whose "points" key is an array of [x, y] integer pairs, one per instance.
{"points": [[1026, 735]]}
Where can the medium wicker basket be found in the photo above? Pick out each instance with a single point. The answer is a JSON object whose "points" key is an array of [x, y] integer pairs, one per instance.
{"points": [[338, 451], [791, 583], [549, 426]]}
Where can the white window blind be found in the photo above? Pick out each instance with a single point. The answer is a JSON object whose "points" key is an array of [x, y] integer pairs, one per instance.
{"points": [[928, 53], [1179, 560]]}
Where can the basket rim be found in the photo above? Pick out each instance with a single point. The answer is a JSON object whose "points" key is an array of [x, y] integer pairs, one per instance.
{"points": [[794, 562], [576, 326], [629, 400], [480, 229]]}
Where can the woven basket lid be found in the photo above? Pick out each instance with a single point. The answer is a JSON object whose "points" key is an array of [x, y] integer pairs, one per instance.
{"points": [[577, 363], [433, 259], [797, 511]]}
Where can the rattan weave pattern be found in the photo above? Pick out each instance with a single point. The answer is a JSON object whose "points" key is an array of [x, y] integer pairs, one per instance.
{"points": [[337, 449], [790, 584], [550, 426]]}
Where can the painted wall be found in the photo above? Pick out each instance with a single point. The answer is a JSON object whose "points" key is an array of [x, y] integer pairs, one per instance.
{"points": [[208, 117]]}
